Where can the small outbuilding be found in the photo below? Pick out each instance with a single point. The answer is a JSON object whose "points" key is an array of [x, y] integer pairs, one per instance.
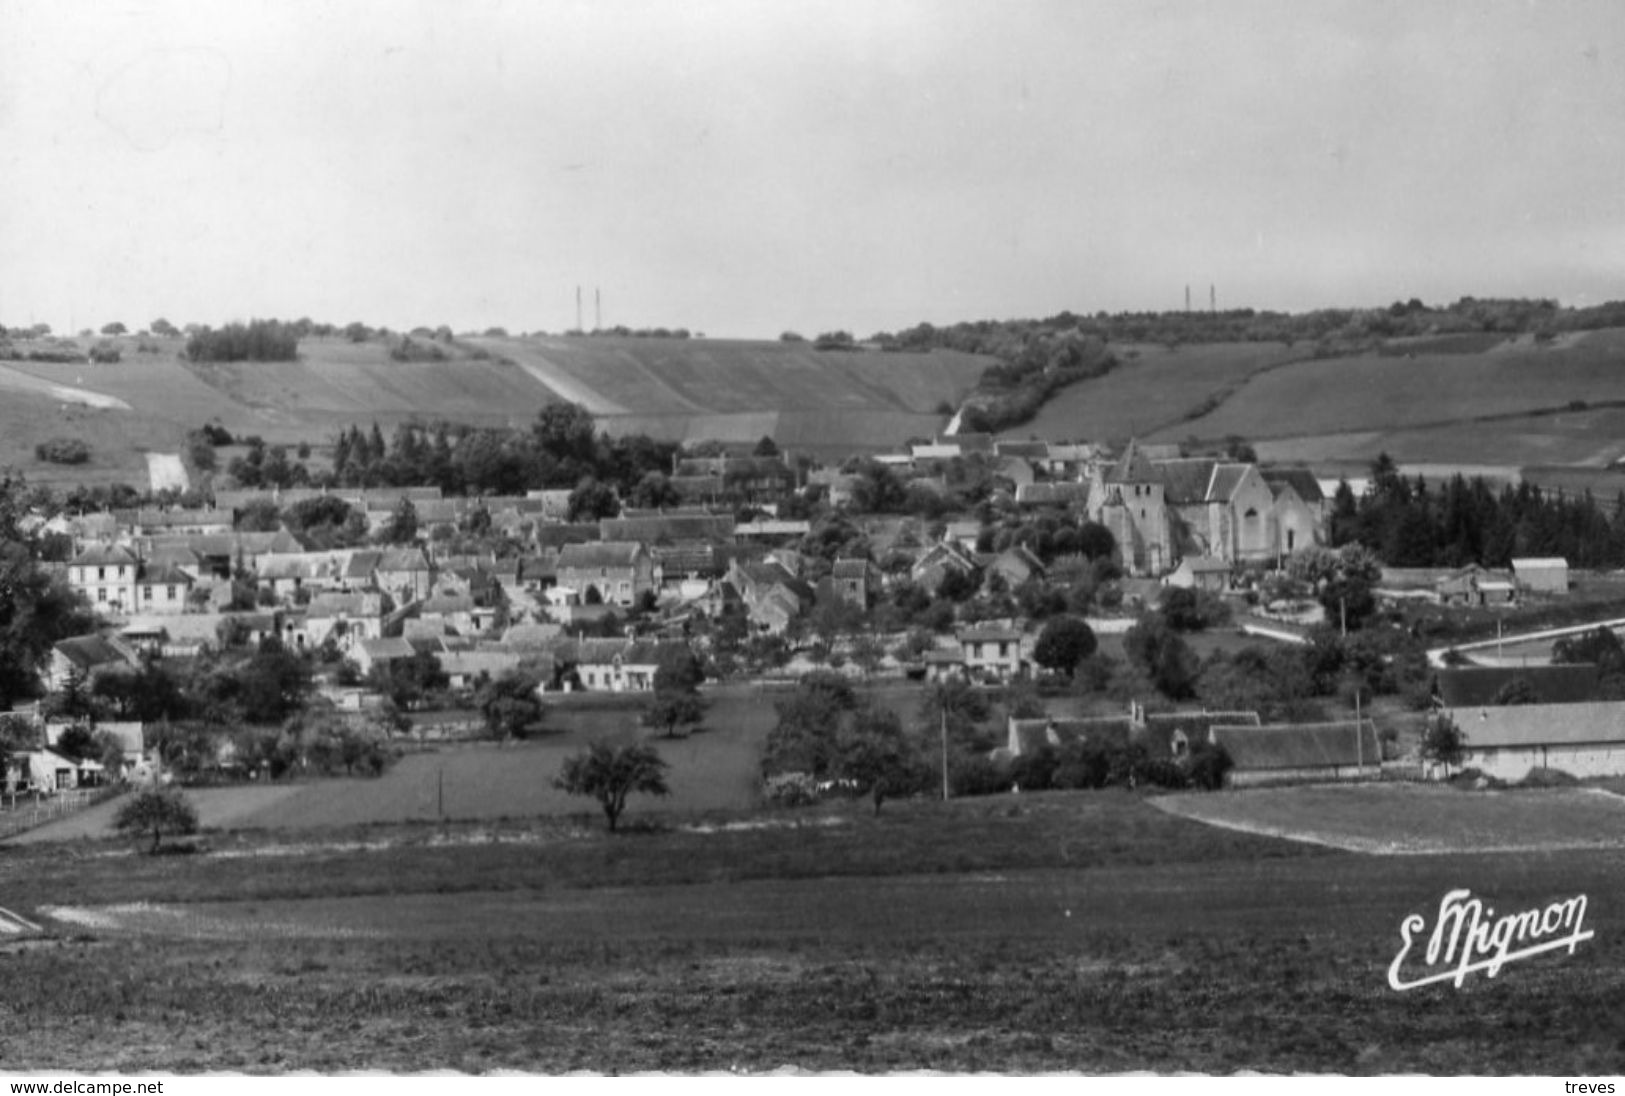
{"points": [[1542, 575]]}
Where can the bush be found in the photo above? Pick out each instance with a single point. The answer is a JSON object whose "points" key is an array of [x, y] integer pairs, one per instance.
{"points": [[790, 790], [63, 451]]}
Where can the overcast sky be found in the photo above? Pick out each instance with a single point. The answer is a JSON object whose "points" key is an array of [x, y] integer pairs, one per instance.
{"points": [[743, 168]]}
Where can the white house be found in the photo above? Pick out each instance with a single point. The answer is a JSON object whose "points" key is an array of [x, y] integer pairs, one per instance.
{"points": [[1508, 742]]}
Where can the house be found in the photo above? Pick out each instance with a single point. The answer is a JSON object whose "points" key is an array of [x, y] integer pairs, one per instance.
{"points": [[611, 665], [465, 669], [360, 570], [617, 572], [1548, 575], [840, 487], [405, 574], [456, 612], [46, 770], [1508, 743], [1281, 753], [348, 617], [89, 657], [130, 737], [1015, 471], [163, 589], [962, 535], [773, 597], [106, 576], [380, 652], [992, 652], [671, 527], [1015, 565], [286, 573], [1240, 515], [1473, 585], [1201, 573], [937, 561], [855, 581]]}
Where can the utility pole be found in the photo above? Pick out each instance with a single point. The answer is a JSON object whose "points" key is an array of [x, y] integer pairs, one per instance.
{"points": [[942, 696], [597, 309], [440, 791], [1359, 739]]}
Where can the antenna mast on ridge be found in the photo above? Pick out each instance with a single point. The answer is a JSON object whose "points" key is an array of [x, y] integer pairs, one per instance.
{"points": [[578, 309]]}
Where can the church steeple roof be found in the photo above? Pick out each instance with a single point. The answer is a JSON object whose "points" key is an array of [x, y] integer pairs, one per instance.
{"points": [[1133, 467]]}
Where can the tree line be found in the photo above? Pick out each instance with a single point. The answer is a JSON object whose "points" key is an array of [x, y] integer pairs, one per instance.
{"points": [[1410, 524]]}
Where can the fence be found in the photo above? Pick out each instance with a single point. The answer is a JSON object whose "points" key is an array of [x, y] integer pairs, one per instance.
{"points": [[21, 811]]}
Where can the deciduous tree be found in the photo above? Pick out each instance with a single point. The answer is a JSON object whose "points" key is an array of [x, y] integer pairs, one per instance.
{"points": [[157, 811], [611, 773]]}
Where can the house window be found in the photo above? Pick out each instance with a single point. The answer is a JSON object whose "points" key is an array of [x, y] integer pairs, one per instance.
{"points": [[101, 593], [101, 572], [147, 592], [1291, 537], [171, 593], [1004, 650]]}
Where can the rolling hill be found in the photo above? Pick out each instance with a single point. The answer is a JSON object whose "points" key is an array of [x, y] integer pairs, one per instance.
{"points": [[830, 403]]}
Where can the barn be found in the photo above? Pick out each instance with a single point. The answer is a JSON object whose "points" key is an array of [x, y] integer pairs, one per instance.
{"points": [[1542, 575], [1509, 742], [1300, 752]]}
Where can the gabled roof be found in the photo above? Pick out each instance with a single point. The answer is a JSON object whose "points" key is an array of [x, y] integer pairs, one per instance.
{"points": [[671, 528], [1524, 725], [88, 652], [396, 560], [362, 564], [1227, 478], [851, 568], [1301, 480], [1052, 493], [329, 604], [1300, 746], [165, 574], [108, 555], [1477, 686], [560, 534], [387, 648], [1185, 481], [985, 633], [601, 554]]}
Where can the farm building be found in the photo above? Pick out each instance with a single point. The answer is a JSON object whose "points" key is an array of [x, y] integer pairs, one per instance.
{"points": [[1543, 575], [1510, 742], [1481, 686], [1294, 752]]}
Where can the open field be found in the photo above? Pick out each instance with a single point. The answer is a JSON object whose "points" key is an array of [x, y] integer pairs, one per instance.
{"points": [[1081, 931], [823, 401], [1153, 388], [830, 403], [1555, 404], [1411, 819]]}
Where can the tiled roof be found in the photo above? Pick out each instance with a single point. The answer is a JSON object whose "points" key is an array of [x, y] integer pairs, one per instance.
{"points": [[1301, 480], [1525, 725], [1475, 686], [104, 556], [601, 554], [1226, 478], [1300, 746], [1185, 481]]}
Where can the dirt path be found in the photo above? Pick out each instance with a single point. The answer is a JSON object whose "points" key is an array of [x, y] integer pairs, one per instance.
{"points": [[22, 382], [568, 387], [166, 470]]}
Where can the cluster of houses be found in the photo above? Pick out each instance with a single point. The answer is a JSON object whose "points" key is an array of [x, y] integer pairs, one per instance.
{"points": [[168, 580]]}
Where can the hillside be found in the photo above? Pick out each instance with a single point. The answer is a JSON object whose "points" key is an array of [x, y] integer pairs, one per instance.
{"points": [[829, 403]]}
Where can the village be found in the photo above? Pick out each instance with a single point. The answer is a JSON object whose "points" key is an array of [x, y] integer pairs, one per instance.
{"points": [[766, 569]]}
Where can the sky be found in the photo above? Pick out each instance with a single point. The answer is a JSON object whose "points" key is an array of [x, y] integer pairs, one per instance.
{"points": [[746, 168]]}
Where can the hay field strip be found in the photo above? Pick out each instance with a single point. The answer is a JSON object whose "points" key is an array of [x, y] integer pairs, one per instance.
{"points": [[1410, 819]]}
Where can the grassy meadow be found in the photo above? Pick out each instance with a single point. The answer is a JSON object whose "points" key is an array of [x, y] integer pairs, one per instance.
{"points": [[1063, 931]]}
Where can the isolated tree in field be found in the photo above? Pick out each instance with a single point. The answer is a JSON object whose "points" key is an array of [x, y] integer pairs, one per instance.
{"points": [[114, 328], [611, 773], [157, 811], [163, 327], [1064, 642]]}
